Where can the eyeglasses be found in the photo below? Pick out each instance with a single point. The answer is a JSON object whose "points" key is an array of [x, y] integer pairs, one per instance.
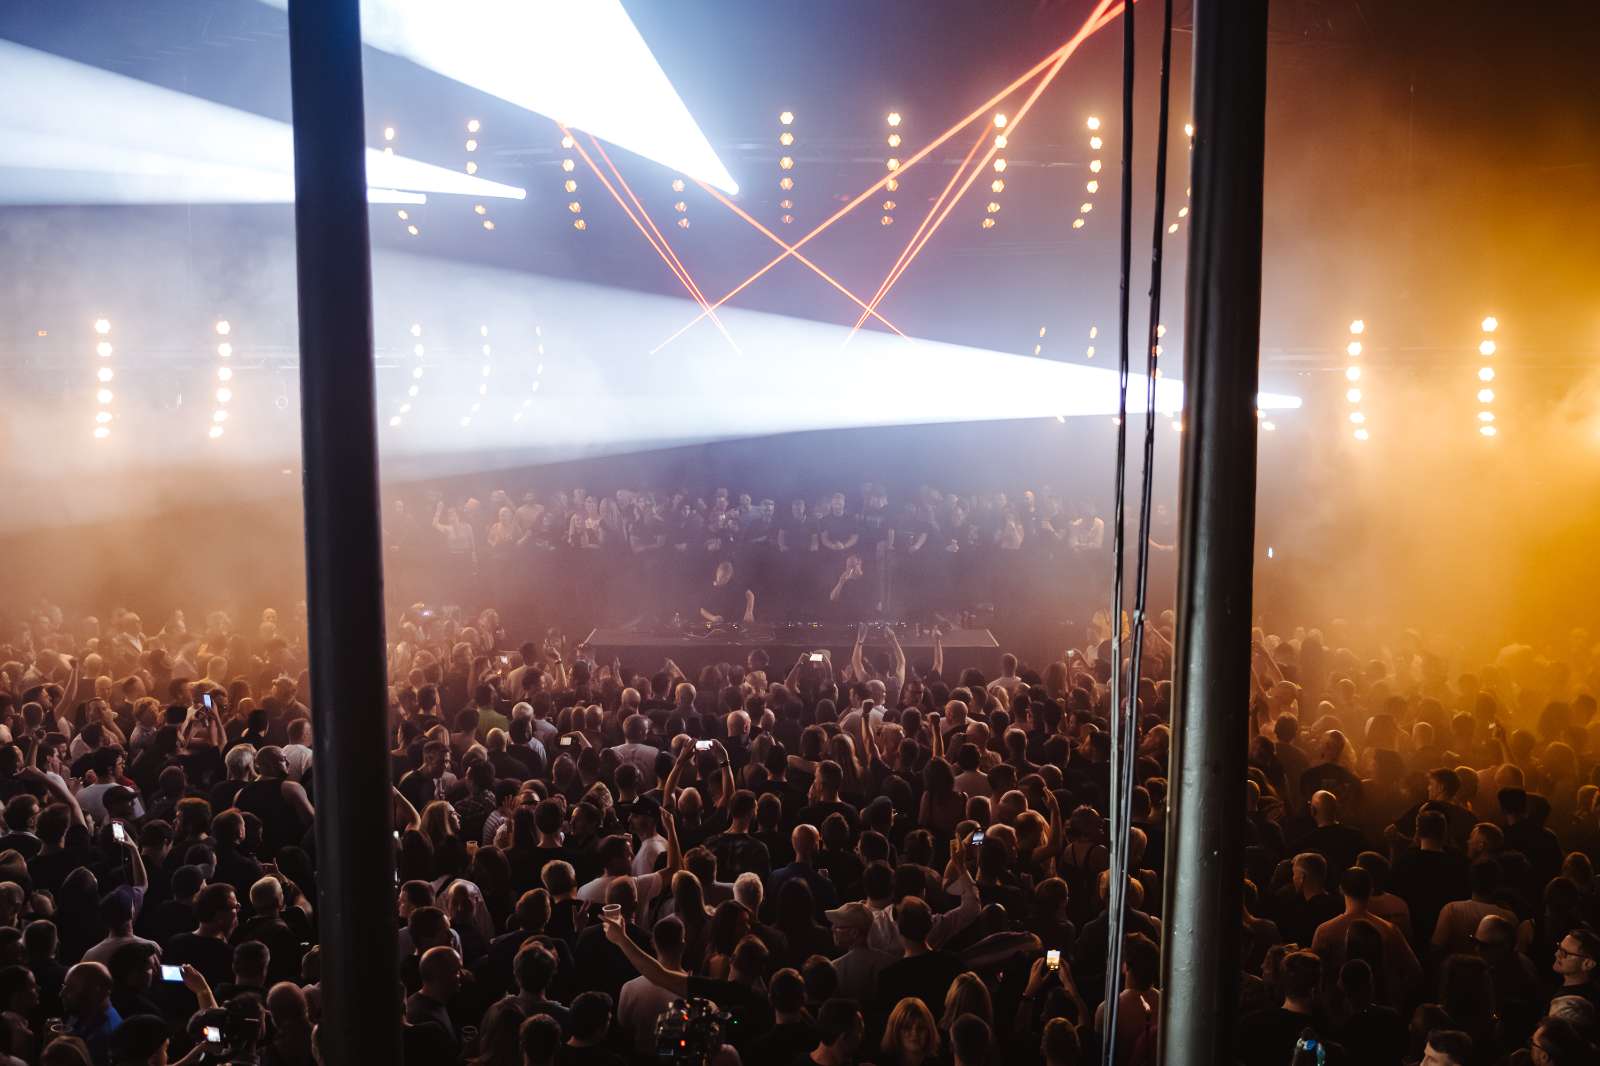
{"points": [[1562, 952]]}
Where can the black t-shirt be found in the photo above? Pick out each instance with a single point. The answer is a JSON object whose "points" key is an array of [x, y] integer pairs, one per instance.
{"points": [[212, 957], [907, 528], [797, 532], [839, 528], [927, 976], [725, 601], [1267, 1037]]}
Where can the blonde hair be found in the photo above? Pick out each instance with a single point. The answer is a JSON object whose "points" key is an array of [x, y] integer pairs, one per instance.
{"points": [[967, 995]]}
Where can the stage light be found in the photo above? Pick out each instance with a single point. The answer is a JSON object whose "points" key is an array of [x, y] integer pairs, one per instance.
{"points": [[1361, 434], [404, 214], [488, 223], [472, 168], [1269, 427], [677, 184], [888, 205], [1358, 326], [225, 350], [1041, 331], [787, 220], [479, 209], [1092, 187], [1000, 165], [568, 165], [413, 230], [223, 328], [1486, 347], [786, 138], [105, 373], [214, 432], [1487, 431], [1352, 373], [1094, 166], [82, 134], [574, 206], [1093, 123], [1358, 417], [1183, 212], [786, 118], [1000, 140], [219, 416], [993, 207], [1486, 373], [998, 185], [224, 374], [472, 145], [892, 185], [224, 395], [394, 420], [1161, 330], [417, 371], [1095, 143], [1491, 324], [102, 416], [786, 163], [1353, 395], [786, 204], [101, 432], [1485, 416], [683, 223], [893, 118], [1085, 207], [473, 125], [1172, 228], [580, 224], [1000, 122], [388, 133], [892, 163], [1353, 349], [1077, 223], [894, 140], [786, 184], [102, 326], [103, 349], [1486, 396], [886, 220], [1089, 352], [104, 396]]}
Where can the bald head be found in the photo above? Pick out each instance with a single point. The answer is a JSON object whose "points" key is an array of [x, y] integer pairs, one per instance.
{"points": [[805, 840], [1325, 807]]}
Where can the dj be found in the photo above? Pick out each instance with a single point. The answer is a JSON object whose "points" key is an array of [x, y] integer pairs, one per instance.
{"points": [[726, 602]]}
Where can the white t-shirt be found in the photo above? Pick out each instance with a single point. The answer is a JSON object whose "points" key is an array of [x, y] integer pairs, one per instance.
{"points": [[296, 760], [648, 887], [92, 800]]}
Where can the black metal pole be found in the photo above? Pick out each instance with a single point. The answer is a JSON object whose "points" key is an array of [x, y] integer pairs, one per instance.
{"points": [[344, 564], [1222, 332]]}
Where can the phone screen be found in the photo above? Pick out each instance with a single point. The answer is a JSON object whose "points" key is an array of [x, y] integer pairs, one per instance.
{"points": [[213, 1035], [119, 833], [702, 745], [977, 838], [1052, 959], [206, 699], [566, 742], [171, 973], [817, 657]]}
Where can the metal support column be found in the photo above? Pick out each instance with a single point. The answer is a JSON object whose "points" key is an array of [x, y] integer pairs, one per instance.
{"points": [[344, 562], [1205, 850]]}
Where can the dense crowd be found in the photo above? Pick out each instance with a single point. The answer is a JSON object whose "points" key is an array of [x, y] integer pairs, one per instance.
{"points": [[782, 862], [648, 555]]}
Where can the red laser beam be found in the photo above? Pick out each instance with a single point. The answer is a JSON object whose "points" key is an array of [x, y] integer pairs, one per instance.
{"points": [[877, 296], [1015, 122], [1102, 15], [683, 279], [694, 289], [736, 209]]}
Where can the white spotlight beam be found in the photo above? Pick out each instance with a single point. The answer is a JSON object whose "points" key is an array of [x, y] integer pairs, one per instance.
{"points": [[580, 62], [72, 133]]}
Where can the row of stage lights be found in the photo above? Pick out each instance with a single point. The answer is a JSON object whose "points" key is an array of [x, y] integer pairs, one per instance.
{"points": [[1092, 186], [998, 184], [893, 119], [479, 209], [1354, 392], [786, 166], [569, 185]]}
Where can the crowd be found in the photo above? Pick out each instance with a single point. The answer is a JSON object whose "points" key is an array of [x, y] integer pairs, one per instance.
{"points": [[782, 863], [639, 554]]}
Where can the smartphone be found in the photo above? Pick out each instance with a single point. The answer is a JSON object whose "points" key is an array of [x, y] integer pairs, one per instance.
{"points": [[566, 742], [212, 1034], [702, 745], [977, 838], [206, 700], [1052, 959], [119, 833], [172, 973], [817, 657], [397, 836]]}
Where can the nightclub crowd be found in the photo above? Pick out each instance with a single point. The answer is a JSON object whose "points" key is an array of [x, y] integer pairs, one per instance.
{"points": [[773, 861]]}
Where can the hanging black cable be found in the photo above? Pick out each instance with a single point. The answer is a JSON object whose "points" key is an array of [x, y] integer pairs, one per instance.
{"points": [[1121, 749], [1141, 580]]}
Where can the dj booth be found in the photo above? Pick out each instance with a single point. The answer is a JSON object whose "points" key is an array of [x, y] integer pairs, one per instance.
{"points": [[698, 646]]}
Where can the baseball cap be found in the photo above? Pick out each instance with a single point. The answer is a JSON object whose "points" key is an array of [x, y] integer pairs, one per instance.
{"points": [[854, 915]]}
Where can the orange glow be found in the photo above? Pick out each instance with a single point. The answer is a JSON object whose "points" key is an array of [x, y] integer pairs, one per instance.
{"points": [[1104, 13]]}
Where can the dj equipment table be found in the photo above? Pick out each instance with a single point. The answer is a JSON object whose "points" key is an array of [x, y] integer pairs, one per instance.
{"points": [[703, 646]]}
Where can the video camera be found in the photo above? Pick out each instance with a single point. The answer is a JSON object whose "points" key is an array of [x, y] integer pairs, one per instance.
{"points": [[690, 1032]]}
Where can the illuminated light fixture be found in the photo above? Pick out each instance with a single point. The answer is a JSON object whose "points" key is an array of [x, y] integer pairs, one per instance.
{"points": [[1353, 395], [680, 206], [888, 205], [1486, 347], [1352, 373], [1172, 228], [479, 209], [567, 142], [105, 373], [1092, 187], [472, 145], [1183, 212], [574, 206], [85, 135], [1490, 324], [1487, 431], [786, 138], [103, 349], [1188, 129], [999, 165], [786, 163], [224, 373], [404, 214], [677, 184], [1269, 426], [786, 184], [993, 207], [892, 185], [224, 395], [1093, 123], [1357, 417], [102, 416], [894, 140], [1095, 166], [786, 204], [1353, 348], [1358, 326], [787, 220], [583, 64], [102, 326], [1161, 330], [786, 118], [388, 133], [886, 220], [416, 329], [413, 230], [488, 223], [1485, 416], [225, 350], [1094, 331], [580, 224], [1361, 433], [1041, 331], [893, 118], [219, 416], [1089, 352], [214, 432], [568, 165], [1085, 207], [988, 223], [473, 125], [1077, 223], [103, 396], [892, 163], [1000, 140], [472, 168], [997, 185], [1095, 143], [999, 122], [1486, 396], [570, 186], [1486, 373], [683, 223], [223, 328]]}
